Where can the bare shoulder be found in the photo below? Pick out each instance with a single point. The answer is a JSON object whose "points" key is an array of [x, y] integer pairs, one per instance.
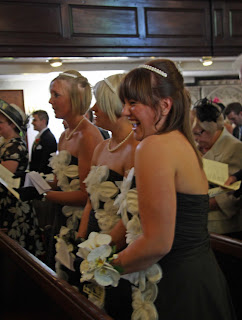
{"points": [[61, 140], [158, 143], [89, 136], [101, 146]]}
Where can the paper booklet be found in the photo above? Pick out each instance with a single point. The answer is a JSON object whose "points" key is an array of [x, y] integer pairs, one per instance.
{"points": [[217, 173], [6, 178], [212, 192], [34, 179]]}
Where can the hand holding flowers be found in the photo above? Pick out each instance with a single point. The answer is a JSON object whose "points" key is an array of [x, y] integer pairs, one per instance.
{"points": [[98, 254]]}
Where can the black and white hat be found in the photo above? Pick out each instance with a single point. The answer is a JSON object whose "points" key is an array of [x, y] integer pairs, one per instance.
{"points": [[14, 114]]}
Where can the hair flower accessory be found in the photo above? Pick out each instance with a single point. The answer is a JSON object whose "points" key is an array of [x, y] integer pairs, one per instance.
{"points": [[97, 254], [216, 100]]}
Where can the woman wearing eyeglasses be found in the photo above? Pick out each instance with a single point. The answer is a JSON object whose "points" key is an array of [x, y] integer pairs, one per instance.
{"points": [[216, 143]]}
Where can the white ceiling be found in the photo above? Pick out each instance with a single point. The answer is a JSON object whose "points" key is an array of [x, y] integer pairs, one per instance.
{"points": [[190, 67]]}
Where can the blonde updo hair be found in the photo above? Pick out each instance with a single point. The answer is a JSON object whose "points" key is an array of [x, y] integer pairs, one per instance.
{"points": [[106, 94], [79, 90]]}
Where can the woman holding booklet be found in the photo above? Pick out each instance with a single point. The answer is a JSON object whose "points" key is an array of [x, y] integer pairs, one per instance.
{"points": [[216, 143], [70, 97], [16, 216]]}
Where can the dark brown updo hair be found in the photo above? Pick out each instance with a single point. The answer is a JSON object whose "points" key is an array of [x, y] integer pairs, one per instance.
{"points": [[149, 87]]}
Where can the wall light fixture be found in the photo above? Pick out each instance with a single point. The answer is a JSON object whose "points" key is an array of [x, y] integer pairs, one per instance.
{"points": [[206, 61], [55, 62]]}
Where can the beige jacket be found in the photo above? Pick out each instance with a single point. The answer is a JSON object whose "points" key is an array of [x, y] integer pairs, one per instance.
{"points": [[226, 149]]}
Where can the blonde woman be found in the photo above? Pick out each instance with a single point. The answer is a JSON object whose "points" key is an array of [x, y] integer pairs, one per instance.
{"points": [[70, 97], [112, 160]]}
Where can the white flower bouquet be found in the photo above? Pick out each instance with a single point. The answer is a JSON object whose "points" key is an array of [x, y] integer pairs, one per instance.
{"points": [[98, 254]]}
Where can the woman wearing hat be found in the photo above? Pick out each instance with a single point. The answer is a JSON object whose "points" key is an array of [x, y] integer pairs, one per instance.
{"points": [[15, 215]]}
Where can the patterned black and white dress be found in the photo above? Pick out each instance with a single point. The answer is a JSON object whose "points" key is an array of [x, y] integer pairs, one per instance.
{"points": [[17, 216]]}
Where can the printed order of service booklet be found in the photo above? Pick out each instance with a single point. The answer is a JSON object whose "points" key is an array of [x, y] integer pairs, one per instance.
{"points": [[217, 173], [6, 178], [34, 179]]}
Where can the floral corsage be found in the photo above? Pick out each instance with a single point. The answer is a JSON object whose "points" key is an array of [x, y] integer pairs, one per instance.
{"points": [[98, 254], [36, 142]]}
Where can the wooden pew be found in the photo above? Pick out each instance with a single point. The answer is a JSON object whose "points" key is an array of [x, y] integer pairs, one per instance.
{"points": [[228, 252], [31, 290]]}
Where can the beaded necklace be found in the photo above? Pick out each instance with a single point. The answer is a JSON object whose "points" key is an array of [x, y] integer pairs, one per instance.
{"points": [[70, 135], [120, 144]]}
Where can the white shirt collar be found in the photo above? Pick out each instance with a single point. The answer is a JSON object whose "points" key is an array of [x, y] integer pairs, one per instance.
{"points": [[40, 133]]}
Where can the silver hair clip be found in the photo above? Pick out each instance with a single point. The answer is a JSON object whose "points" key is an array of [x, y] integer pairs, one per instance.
{"points": [[109, 85], [160, 72], [68, 75]]}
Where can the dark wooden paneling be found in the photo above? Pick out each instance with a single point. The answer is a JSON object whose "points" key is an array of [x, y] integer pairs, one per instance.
{"points": [[235, 23], [175, 23], [104, 21], [119, 28], [227, 27], [13, 96], [25, 19]]}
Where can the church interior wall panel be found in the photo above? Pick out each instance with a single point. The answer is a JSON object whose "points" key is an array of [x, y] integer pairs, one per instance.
{"points": [[227, 27], [86, 20], [119, 27], [28, 20]]}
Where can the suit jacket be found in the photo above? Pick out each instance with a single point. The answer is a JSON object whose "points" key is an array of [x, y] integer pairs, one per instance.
{"points": [[104, 133], [226, 149], [236, 133], [41, 151]]}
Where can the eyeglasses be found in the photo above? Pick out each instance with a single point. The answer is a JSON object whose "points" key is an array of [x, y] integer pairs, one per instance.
{"points": [[198, 134]]}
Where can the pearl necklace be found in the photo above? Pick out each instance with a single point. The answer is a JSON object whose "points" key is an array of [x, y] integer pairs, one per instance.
{"points": [[70, 135], [120, 144]]}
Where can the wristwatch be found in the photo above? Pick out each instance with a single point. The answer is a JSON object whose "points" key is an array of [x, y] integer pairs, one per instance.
{"points": [[44, 196]]}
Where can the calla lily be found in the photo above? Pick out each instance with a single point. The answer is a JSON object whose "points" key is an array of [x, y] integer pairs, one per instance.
{"points": [[121, 200], [154, 273], [98, 188], [134, 229], [143, 309], [107, 217]]}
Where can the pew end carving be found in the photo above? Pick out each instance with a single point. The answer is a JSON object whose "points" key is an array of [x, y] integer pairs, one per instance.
{"points": [[228, 252], [30, 290]]}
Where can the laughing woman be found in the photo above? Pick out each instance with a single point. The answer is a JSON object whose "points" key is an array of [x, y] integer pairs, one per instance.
{"points": [[172, 200], [170, 265]]}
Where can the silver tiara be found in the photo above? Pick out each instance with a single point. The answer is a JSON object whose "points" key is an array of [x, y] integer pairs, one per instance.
{"points": [[68, 75], [160, 72], [109, 85]]}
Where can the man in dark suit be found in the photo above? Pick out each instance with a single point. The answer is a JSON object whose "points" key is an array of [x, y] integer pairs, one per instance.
{"points": [[233, 112], [44, 144]]}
